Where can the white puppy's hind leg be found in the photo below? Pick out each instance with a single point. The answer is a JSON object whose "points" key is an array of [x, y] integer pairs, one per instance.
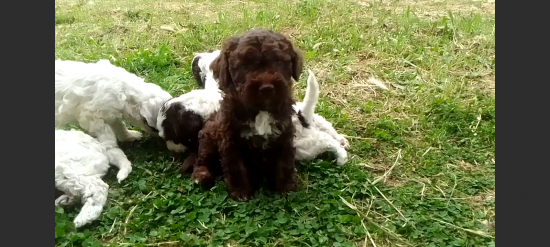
{"points": [[123, 134], [342, 155], [327, 143], [336, 148], [327, 127], [94, 198], [117, 158], [308, 148], [106, 136]]}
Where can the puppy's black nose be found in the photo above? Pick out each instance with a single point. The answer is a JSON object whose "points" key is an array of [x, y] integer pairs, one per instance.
{"points": [[267, 89]]}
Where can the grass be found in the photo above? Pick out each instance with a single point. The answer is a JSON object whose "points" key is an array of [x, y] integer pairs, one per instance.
{"points": [[435, 126]]}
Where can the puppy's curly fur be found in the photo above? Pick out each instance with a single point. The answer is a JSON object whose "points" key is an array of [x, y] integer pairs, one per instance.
{"points": [[314, 134], [80, 163], [252, 132], [99, 96]]}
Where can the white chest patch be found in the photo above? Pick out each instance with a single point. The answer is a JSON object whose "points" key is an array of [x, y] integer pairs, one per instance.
{"points": [[175, 147], [263, 125]]}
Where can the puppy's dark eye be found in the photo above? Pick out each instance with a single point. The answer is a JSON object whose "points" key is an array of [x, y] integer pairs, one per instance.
{"points": [[250, 64]]}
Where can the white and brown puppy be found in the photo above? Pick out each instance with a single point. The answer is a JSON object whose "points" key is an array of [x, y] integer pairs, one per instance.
{"points": [[99, 96], [80, 163], [180, 119]]}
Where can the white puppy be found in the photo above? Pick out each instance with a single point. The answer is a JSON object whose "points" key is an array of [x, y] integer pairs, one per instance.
{"points": [[80, 162], [314, 134], [99, 96]]}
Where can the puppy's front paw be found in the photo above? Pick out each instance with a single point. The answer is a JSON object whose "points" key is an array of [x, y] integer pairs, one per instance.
{"points": [[287, 187], [132, 135], [188, 163], [240, 195], [202, 176]]}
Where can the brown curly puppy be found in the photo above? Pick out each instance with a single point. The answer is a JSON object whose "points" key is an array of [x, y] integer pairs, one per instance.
{"points": [[251, 135]]}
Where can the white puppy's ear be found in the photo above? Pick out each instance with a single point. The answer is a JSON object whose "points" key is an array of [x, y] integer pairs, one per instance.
{"points": [[146, 112]]}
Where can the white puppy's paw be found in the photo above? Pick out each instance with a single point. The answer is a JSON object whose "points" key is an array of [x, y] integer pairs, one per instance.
{"points": [[178, 148], [123, 173], [132, 135], [79, 222], [343, 142], [342, 158]]}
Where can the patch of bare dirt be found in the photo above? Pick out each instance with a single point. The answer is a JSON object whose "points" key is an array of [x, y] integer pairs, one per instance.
{"points": [[205, 9], [394, 182], [479, 201], [483, 82], [487, 84], [293, 33], [355, 84], [118, 29], [465, 166], [482, 198]]}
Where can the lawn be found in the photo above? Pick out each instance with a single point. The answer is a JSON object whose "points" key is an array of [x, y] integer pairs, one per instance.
{"points": [[422, 167]]}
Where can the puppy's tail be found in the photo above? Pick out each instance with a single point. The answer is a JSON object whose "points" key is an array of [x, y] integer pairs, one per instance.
{"points": [[94, 198], [311, 98], [91, 190]]}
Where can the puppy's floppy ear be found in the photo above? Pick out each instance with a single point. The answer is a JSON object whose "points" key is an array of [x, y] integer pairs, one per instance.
{"points": [[146, 111], [297, 64], [220, 65]]}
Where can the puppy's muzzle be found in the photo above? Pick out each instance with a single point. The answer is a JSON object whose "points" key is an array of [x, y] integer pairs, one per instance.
{"points": [[267, 90]]}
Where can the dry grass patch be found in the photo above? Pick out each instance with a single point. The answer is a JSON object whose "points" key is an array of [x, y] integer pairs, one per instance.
{"points": [[482, 198], [435, 9], [340, 88], [293, 32], [480, 202], [394, 181], [486, 84], [468, 167]]}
